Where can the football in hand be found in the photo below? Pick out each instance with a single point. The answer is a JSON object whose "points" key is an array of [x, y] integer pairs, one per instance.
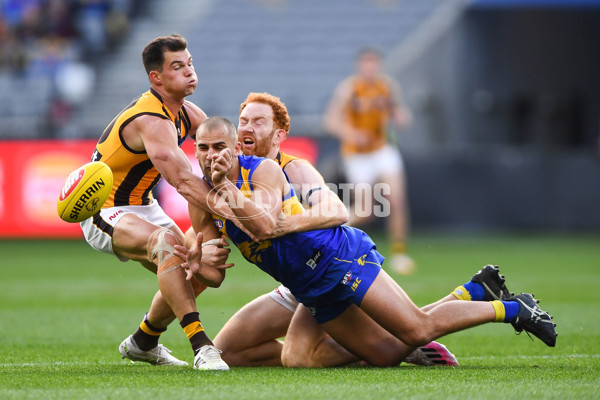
{"points": [[84, 192]]}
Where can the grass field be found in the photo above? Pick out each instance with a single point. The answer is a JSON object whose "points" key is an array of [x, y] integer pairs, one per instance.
{"points": [[65, 308]]}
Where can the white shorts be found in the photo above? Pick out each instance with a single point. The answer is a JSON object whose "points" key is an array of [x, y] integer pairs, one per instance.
{"points": [[98, 229], [283, 296], [369, 167]]}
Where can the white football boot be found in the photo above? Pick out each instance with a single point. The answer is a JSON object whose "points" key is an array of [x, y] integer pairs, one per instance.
{"points": [[209, 358], [159, 355]]}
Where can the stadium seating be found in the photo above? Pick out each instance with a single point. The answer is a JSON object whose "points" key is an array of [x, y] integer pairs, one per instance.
{"points": [[298, 50]]}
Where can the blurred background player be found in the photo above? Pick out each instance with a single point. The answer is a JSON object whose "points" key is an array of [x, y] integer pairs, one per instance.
{"points": [[359, 115], [140, 145]]}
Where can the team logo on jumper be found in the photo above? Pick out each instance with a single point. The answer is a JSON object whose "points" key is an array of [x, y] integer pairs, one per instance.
{"points": [[218, 223], [347, 278], [361, 260], [96, 156]]}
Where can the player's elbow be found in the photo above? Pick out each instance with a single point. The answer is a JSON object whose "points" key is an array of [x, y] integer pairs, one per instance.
{"points": [[336, 213], [263, 228], [182, 186], [342, 214], [264, 233], [211, 283], [213, 280]]}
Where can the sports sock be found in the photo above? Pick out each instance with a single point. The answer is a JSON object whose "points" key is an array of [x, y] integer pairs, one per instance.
{"points": [[194, 331], [147, 335], [470, 291], [398, 248], [505, 310]]}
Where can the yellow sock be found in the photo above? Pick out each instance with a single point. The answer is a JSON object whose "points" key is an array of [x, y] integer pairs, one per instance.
{"points": [[500, 311], [398, 247], [148, 330], [461, 293], [192, 329]]}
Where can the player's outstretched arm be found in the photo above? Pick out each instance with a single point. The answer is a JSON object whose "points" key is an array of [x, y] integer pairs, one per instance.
{"points": [[260, 211], [325, 210], [195, 264], [160, 143]]}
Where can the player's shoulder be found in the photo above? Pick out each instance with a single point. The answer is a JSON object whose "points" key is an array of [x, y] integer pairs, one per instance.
{"points": [[253, 162], [301, 172], [296, 164], [195, 114], [388, 80], [347, 83], [149, 123]]}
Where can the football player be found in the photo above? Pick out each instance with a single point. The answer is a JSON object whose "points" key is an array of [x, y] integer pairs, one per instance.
{"points": [[335, 272]]}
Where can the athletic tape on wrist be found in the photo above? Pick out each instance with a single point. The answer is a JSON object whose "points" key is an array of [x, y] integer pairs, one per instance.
{"points": [[213, 242]]}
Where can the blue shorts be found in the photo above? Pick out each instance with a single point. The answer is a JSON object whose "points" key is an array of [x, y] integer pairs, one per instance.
{"points": [[354, 277]]}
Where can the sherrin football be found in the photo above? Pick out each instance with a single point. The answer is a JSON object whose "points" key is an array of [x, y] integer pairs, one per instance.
{"points": [[84, 192]]}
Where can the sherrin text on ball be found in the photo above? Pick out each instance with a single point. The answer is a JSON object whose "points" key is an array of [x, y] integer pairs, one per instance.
{"points": [[84, 192]]}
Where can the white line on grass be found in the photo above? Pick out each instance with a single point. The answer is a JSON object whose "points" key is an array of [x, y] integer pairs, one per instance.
{"points": [[58, 363], [520, 357]]}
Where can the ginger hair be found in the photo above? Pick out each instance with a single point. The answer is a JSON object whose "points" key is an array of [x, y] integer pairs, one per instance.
{"points": [[281, 118]]}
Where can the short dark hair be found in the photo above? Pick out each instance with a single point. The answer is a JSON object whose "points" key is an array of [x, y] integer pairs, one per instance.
{"points": [[153, 55], [216, 121]]}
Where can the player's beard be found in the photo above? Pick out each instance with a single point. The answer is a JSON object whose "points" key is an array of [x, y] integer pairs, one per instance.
{"points": [[262, 147]]}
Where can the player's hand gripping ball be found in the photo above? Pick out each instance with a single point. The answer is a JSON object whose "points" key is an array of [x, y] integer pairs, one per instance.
{"points": [[84, 192]]}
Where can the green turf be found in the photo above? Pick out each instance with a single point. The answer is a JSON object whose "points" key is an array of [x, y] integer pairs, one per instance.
{"points": [[64, 309]]}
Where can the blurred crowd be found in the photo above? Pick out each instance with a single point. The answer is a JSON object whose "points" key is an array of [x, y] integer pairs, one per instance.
{"points": [[53, 46]]}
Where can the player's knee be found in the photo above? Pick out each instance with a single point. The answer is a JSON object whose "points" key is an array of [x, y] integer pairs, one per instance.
{"points": [[232, 355], [161, 250], [416, 337], [294, 359], [304, 357]]}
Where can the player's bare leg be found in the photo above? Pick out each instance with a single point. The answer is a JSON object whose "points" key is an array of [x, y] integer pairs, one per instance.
{"points": [[392, 309], [175, 291], [486, 285], [250, 337], [443, 300], [160, 313], [308, 345]]}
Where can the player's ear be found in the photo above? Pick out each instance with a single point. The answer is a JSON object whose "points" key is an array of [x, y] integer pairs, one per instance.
{"points": [[280, 136], [154, 77]]}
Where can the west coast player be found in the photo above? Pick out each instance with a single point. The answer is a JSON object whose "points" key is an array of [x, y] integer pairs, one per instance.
{"points": [[336, 272]]}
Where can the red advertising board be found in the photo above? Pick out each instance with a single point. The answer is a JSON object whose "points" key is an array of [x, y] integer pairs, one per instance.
{"points": [[32, 174]]}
